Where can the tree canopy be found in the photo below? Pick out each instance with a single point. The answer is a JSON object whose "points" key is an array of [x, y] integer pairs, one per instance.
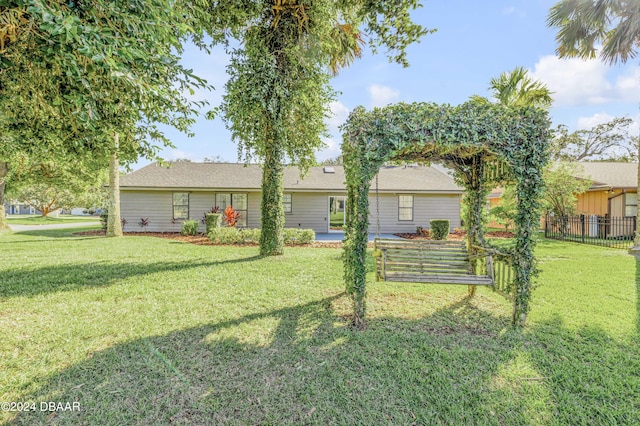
{"points": [[278, 94]]}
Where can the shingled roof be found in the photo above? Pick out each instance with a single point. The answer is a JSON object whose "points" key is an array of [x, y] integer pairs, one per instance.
{"points": [[216, 176], [611, 174]]}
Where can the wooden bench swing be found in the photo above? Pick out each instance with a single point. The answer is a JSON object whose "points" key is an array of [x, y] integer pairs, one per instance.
{"points": [[430, 261], [439, 261]]}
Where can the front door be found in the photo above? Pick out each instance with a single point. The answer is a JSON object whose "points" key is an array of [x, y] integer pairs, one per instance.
{"points": [[337, 213]]}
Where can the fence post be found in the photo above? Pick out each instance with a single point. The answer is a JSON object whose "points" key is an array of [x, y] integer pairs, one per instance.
{"points": [[582, 227]]}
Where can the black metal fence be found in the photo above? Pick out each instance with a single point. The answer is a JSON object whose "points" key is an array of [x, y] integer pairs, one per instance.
{"points": [[616, 232]]}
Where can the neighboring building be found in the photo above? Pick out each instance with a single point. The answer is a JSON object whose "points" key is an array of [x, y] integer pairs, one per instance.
{"points": [[408, 196], [614, 191], [15, 207]]}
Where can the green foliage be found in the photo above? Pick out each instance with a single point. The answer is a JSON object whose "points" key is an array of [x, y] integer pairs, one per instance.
{"points": [[212, 220], [610, 28], [439, 228], [562, 187], [229, 235], [278, 94], [464, 137], [507, 209], [190, 227], [104, 216], [516, 88], [295, 236]]}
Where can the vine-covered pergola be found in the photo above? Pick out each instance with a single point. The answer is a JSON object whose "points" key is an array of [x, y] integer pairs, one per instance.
{"points": [[485, 144]]}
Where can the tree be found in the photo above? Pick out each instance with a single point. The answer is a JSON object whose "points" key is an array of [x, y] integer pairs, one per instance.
{"points": [[583, 24], [110, 75], [516, 88], [505, 212], [278, 93], [561, 188], [48, 185], [607, 141]]}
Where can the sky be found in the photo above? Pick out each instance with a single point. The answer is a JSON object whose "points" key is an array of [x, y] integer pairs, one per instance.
{"points": [[475, 41]]}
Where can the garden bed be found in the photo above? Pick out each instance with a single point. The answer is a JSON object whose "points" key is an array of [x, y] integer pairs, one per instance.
{"points": [[201, 239]]}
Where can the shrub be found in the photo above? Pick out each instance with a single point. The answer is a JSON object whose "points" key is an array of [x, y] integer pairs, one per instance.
{"points": [[211, 211], [230, 235], [231, 216], [189, 227], [439, 228], [294, 236], [212, 220], [104, 216], [144, 222]]}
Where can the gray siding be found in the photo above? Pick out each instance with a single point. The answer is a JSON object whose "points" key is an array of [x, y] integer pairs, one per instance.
{"points": [[425, 208], [157, 206], [309, 210]]}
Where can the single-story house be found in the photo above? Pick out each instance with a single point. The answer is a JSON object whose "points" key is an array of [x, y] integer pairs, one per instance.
{"points": [[614, 189], [16, 207], [408, 196]]}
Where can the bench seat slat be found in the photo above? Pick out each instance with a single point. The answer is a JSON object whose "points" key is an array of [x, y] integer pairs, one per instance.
{"points": [[426, 261]]}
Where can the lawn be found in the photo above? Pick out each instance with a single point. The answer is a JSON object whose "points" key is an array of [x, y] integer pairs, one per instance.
{"points": [[48, 220], [142, 330]]}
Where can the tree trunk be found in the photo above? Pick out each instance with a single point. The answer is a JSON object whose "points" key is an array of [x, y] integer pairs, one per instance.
{"points": [[635, 250], [114, 225], [4, 170], [271, 236]]}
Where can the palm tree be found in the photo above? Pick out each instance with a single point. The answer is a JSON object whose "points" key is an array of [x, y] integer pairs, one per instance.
{"points": [[583, 24], [516, 88]]}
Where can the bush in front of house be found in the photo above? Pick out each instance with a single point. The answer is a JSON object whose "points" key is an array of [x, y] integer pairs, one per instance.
{"points": [[439, 229], [190, 227], [229, 235], [212, 220], [295, 236]]}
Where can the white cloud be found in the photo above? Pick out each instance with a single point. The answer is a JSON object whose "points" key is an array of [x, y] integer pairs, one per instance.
{"points": [[331, 151], [176, 154], [587, 123], [382, 95], [339, 114], [575, 81], [628, 86]]}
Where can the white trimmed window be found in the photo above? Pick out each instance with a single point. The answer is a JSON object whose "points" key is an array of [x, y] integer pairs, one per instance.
{"points": [[631, 204], [287, 203], [181, 205], [405, 207], [237, 201]]}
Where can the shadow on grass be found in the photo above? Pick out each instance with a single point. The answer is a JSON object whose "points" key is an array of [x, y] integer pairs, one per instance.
{"points": [[303, 365], [49, 279]]}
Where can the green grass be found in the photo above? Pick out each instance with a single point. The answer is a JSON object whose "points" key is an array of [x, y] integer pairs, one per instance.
{"points": [[141, 330], [49, 220]]}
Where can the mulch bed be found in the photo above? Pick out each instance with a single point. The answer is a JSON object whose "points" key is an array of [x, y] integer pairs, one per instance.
{"points": [[202, 240]]}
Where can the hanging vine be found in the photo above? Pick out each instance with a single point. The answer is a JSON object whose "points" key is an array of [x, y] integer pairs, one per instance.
{"points": [[484, 143]]}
